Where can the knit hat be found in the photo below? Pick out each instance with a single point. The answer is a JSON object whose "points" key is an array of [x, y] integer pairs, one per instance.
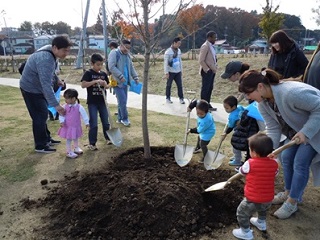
{"points": [[231, 68]]}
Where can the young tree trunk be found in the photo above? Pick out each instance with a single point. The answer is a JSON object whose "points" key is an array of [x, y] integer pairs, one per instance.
{"points": [[145, 131]]}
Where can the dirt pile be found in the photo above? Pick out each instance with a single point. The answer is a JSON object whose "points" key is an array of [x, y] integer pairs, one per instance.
{"points": [[134, 198]]}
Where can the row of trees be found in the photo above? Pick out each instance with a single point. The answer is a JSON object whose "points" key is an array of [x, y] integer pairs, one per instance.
{"points": [[236, 25]]}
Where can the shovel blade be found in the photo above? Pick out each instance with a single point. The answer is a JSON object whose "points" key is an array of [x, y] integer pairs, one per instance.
{"points": [[115, 136], [183, 154], [215, 187], [213, 160]]}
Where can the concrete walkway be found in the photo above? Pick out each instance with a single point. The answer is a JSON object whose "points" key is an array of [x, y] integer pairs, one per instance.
{"points": [[156, 103]]}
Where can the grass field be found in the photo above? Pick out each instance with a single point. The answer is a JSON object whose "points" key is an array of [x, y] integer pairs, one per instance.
{"points": [[191, 77]]}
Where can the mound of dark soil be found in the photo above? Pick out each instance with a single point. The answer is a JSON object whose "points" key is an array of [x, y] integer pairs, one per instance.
{"points": [[135, 198]]}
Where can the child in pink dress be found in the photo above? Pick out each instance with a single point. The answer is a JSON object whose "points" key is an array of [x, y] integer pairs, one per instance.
{"points": [[71, 122]]}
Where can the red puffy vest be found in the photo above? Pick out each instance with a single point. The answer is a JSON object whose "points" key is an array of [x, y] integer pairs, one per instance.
{"points": [[259, 186]]}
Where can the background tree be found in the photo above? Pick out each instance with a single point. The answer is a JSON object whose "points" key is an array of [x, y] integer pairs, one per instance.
{"points": [[189, 19], [316, 11], [47, 28], [37, 28], [125, 30], [25, 26], [113, 28], [98, 27], [271, 21], [76, 31], [61, 28]]}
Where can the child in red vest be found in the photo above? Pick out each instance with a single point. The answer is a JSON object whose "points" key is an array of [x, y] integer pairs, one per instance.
{"points": [[260, 172]]}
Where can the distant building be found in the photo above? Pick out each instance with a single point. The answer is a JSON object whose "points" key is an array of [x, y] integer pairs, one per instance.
{"points": [[259, 46], [42, 40], [96, 42], [15, 41]]}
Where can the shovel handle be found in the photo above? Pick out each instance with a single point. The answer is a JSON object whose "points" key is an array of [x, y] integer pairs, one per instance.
{"points": [[187, 128], [107, 106], [234, 177], [277, 151], [285, 146]]}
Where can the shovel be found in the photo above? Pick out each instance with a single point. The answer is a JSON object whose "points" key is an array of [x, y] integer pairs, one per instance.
{"points": [[183, 153], [221, 185], [114, 134], [213, 160]]}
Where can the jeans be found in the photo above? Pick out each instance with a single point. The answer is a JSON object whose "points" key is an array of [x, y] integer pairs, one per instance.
{"points": [[296, 162], [38, 110], [246, 209], [178, 80], [207, 85], [122, 98], [93, 122]]}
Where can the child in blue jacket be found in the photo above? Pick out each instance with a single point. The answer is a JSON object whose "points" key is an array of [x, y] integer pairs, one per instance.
{"points": [[235, 111], [205, 125]]}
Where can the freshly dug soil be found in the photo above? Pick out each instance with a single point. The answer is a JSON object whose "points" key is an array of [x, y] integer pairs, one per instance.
{"points": [[135, 198]]}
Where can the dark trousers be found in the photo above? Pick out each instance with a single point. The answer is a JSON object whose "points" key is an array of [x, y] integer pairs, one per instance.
{"points": [[207, 85], [178, 80], [38, 111], [203, 145]]}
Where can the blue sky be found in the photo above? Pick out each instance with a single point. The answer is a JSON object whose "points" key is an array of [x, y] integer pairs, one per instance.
{"points": [[70, 11]]}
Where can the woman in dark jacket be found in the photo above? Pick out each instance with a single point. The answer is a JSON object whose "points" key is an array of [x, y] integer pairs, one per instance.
{"points": [[286, 58]]}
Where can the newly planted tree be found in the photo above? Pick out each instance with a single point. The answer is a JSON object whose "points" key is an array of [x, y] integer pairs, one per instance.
{"points": [[141, 13]]}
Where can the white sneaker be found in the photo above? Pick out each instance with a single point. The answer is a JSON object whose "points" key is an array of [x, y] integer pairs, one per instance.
{"points": [[238, 233], [126, 123], [78, 151], [92, 147], [280, 198], [72, 155], [169, 101], [262, 225], [286, 210]]}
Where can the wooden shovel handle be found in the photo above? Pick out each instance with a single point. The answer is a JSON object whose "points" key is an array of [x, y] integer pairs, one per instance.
{"points": [[234, 177], [285, 146]]}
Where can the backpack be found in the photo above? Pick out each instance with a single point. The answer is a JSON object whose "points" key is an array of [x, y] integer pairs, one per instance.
{"points": [[23, 64]]}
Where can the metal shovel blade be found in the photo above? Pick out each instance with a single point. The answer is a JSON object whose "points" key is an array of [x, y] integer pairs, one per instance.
{"points": [[183, 154], [115, 136], [222, 185], [213, 160], [215, 187]]}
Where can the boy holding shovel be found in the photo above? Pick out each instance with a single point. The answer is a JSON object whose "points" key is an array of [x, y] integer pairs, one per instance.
{"points": [[260, 172], [206, 127]]}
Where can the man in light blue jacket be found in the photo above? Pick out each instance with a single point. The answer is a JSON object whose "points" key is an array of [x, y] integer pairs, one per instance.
{"points": [[173, 69], [121, 67]]}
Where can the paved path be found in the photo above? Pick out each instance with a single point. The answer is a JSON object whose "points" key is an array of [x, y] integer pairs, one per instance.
{"points": [[156, 103]]}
